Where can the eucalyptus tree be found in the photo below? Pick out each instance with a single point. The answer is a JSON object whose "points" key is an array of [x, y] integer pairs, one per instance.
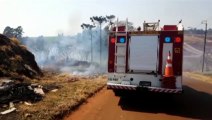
{"points": [[99, 20], [89, 27]]}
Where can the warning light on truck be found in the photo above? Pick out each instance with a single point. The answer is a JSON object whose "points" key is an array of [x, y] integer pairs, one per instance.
{"points": [[167, 39], [122, 40], [113, 40], [177, 39]]}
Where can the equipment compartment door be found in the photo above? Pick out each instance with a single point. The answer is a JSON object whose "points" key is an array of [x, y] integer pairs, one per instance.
{"points": [[143, 53]]}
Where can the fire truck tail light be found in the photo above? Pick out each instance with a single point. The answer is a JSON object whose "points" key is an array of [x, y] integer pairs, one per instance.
{"points": [[177, 39], [113, 40], [167, 39]]}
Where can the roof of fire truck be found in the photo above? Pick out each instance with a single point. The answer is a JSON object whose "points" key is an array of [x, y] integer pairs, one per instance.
{"points": [[148, 27]]}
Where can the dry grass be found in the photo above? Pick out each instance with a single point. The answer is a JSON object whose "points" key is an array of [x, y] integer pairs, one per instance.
{"points": [[23, 47], [199, 76], [57, 104], [192, 39], [16, 58], [5, 48], [2, 70], [15, 41]]}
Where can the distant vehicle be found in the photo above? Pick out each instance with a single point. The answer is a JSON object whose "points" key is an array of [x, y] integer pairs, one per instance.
{"points": [[149, 59]]}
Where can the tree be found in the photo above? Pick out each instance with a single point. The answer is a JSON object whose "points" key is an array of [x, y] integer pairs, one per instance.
{"points": [[99, 20], [89, 27], [9, 32], [18, 32], [13, 32], [110, 19]]}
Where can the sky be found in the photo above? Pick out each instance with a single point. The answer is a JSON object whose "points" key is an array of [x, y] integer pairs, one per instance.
{"points": [[50, 17]]}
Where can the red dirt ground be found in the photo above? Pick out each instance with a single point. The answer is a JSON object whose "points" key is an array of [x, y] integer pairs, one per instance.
{"points": [[194, 103]]}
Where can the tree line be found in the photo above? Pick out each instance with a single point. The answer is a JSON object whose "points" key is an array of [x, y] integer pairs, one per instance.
{"points": [[198, 31]]}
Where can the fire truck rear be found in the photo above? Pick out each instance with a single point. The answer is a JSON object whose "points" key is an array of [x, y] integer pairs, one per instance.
{"points": [[149, 59]]}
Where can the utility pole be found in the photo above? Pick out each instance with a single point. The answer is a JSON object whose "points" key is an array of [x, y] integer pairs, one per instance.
{"points": [[91, 46], [203, 58], [100, 43]]}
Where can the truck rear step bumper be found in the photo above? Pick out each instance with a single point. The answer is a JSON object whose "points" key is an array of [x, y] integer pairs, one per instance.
{"points": [[134, 87]]}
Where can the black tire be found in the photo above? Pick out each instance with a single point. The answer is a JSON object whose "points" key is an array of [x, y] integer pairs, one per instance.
{"points": [[118, 92]]}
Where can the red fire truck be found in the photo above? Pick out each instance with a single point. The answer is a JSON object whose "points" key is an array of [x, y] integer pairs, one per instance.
{"points": [[150, 58]]}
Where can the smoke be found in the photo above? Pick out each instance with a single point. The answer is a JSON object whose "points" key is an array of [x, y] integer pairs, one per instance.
{"points": [[70, 54]]}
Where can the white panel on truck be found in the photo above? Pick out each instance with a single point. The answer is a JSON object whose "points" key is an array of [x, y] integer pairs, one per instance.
{"points": [[143, 53]]}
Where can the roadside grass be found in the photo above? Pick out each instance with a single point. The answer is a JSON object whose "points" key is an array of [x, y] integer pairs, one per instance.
{"points": [[72, 92], [15, 41], [206, 77]]}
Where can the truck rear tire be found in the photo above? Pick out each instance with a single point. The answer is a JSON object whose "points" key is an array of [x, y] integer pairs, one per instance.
{"points": [[118, 92]]}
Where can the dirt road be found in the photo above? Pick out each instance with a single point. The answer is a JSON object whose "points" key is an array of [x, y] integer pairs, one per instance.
{"points": [[194, 103]]}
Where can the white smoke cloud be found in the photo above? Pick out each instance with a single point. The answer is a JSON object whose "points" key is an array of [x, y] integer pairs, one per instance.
{"points": [[69, 53]]}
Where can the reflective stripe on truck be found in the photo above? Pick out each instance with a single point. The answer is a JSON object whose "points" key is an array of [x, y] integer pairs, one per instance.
{"points": [[133, 87]]}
